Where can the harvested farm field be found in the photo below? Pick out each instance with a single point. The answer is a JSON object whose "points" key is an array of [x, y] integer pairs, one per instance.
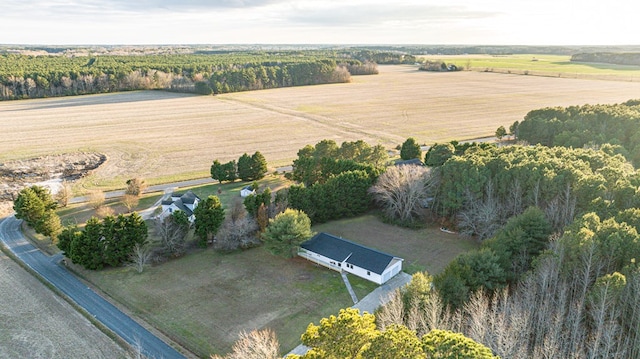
{"points": [[165, 137], [38, 324]]}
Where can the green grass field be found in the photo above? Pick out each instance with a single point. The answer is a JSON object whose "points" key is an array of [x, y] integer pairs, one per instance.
{"points": [[422, 249], [542, 65], [203, 300]]}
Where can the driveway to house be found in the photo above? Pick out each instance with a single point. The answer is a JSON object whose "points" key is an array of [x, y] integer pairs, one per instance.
{"points": [[371, 302], [50, 269]]}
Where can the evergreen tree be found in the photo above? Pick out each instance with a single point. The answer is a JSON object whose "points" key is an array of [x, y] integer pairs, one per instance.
{"points": [[66, 237], [410, 149], [286, 232], [217, 171], [36, 207], [88, 248], [209, 217], [259, 166], [230, 171], [449, 345], [245, 168], [438, 154]]}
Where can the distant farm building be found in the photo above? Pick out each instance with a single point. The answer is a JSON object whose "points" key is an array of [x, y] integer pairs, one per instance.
{"points": [[343, 255]]}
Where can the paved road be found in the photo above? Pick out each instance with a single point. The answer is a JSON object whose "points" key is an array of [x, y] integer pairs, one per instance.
{"points": [[150, 189], [48, 267]]}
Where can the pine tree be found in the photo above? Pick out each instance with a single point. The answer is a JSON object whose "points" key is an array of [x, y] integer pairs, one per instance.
{"points": [[209, 217], [410, 149], [245, 168], [259, 166]]}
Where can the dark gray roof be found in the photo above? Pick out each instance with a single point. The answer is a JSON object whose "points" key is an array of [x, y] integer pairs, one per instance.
{"points": [[182, 200], [187, 198], [340, 249], [178, 203]]}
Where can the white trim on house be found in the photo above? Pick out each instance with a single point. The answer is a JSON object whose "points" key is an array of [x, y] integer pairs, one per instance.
{"points": [[185, 202], [343, 255]]}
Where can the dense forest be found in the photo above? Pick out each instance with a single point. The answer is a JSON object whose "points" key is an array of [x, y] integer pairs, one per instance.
{"points": [[624, 58], [34, 76], [584, 126]]}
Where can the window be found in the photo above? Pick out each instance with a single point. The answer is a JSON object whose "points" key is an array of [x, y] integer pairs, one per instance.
{"points": [[339, 264], [368, 273]]}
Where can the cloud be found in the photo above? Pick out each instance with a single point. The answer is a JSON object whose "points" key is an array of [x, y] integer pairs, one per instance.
{"points": [[187, 5], [381, 13], [105, 8]]}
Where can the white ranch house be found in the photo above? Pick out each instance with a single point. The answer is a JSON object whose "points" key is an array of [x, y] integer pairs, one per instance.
{"points": [[185, 202], [343, 255]]}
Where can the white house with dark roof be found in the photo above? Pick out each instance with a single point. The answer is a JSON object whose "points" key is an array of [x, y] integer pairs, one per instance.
{"points": [[342, 255], [185, 202]]}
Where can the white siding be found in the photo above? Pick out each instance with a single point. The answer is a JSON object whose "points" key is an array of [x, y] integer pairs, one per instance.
{"points": [[394, 267]]}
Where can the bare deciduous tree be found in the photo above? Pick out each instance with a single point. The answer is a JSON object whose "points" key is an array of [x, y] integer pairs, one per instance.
{"points": [[140, 257], [392, 312], [261, 344], [104, 211], [130, 201], [135, 186], [64, 194], [237, 211], [481, 217], [402, 191], [96, 199], [172, 235], [234, 235]]}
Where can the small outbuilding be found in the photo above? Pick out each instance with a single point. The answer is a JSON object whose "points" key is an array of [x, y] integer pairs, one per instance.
{"points": [[342, 255], [247, 191]]}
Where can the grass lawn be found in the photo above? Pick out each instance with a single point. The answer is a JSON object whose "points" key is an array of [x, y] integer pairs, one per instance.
{"points": [[422, 249], [203, 300], [227, 192]]}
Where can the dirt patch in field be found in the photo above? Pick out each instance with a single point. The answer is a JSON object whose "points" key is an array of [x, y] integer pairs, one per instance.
{"points": [[48, 171]]}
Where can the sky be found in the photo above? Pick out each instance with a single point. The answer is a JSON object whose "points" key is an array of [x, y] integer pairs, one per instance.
{"points": [[451, 22]]}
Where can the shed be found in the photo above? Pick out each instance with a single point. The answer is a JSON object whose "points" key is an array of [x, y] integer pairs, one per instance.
{"points": [[247, 191]]}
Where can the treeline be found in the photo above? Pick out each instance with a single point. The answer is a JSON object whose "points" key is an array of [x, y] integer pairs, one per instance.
{"points": [[588, 125], [109, 242], [487, 185], [335, 179], [47, 76], [529, 292], [617, 58]]}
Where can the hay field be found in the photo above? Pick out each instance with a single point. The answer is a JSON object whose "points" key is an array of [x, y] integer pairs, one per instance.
{"points": [[166, 136], [38, 324]]}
